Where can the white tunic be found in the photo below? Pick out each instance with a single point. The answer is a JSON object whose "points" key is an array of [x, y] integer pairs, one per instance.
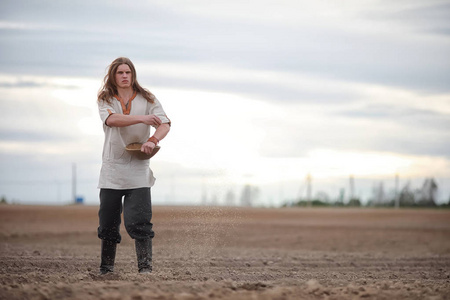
{"points": [[120, 170]]}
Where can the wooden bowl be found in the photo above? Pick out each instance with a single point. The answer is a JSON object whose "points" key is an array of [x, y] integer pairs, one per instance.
{"points": [[135, 150]]}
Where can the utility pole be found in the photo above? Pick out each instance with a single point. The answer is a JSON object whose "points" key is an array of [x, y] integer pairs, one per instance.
{"points": [[352, 188], [397, 194], [308, 188], [58, 191], [74, 183]]}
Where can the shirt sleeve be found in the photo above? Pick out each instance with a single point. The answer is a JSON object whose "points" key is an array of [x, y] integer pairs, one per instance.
{"points": [[157, 110], [105, 110]]}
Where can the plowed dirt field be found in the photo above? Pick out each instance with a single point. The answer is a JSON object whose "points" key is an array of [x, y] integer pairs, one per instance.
{"points": [[49, 252]]}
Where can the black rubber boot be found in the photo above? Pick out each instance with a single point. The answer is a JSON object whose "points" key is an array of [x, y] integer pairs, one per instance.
{"points": [[108, 257], [144, 255]]}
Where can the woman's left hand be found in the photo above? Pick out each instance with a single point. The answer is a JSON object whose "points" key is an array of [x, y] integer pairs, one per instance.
{"points": [[148, 147]]}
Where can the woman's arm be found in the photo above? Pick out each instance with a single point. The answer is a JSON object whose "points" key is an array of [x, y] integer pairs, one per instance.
{"points": [[119, 120], [159, 134], [162, 131]]}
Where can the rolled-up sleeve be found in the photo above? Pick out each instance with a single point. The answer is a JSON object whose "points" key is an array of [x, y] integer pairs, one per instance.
{"points": [[105, 110], [157, 110]]}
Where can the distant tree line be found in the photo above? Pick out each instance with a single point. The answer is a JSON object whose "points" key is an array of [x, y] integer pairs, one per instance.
{"points": [[426, 196], [248, 197]]}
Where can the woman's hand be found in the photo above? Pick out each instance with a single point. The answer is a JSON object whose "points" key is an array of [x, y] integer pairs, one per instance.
{"points": [[148, 147], [152, 120]]}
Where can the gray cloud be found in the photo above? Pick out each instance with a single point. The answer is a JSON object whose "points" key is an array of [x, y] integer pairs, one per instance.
{"points": [[426, 18], [269, 91], [298, 144], [30, 136], [412, 117], [384, 128], [21, 84], [412, 143], [83, 37], [34, 84]]}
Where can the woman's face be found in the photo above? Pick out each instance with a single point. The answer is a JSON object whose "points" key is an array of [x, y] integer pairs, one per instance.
{"points": [[123, 76]]}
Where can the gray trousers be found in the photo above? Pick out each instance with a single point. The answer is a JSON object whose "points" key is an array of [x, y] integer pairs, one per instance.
{"points": [[137, 214]]}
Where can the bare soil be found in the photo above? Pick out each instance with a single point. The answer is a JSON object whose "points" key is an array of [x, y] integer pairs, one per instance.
{"points": [[230, 253]]}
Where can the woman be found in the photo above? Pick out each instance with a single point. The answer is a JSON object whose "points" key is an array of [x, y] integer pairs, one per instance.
{"points": [[127, 111]]}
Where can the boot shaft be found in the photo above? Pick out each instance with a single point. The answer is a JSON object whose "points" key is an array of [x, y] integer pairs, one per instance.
{"points": [[108, 256], [144, 255]]}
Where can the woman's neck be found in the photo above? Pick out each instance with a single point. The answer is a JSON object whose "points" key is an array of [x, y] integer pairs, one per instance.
{"points": [[125, 94]]}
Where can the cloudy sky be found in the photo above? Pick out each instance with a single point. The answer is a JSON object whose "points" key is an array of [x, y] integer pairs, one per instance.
{"points": [[259, 92]]}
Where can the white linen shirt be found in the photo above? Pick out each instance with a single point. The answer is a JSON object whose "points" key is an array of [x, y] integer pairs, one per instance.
{"points": [[120, 170]]}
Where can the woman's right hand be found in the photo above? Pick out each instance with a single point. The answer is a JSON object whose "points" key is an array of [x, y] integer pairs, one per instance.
{"points": [[151, 120]]}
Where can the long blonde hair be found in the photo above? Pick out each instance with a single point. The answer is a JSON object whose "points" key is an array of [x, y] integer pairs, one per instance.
{"points": [[109, 86]]}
